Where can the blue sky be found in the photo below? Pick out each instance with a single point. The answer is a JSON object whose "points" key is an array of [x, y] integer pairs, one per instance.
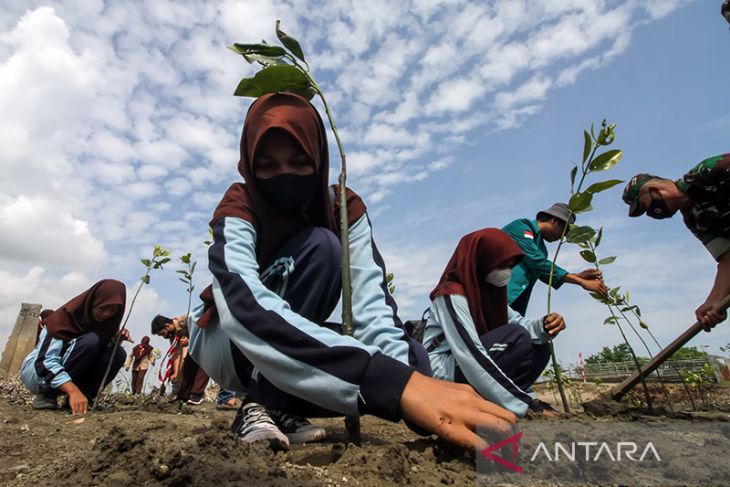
{"points": [[119, 131]]}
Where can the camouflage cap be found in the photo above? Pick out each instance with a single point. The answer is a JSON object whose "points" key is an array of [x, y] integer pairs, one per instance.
{"points": [[631, 193]]}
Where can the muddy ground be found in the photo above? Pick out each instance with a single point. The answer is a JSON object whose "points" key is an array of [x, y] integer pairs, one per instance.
{"points": [[157, 443]]}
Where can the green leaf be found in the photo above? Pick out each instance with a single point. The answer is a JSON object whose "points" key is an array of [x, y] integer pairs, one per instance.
{"points": [[573, 172], [146, 278], [606, 260], [597, 297], [580, 202], [643, 324], [165, 260], [257, 49], [603, 186], [182, 280], [598, 237], [263, 60], [611, 320], [290, 43], [579, 234], [614, 292], [146, 262], [207, 242], [192, 269], [606, 160], [587, 146], [182, 271], [588, 256], [273, 79], [185, 258]]}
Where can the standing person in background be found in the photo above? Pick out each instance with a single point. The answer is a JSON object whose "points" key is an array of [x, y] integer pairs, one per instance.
{"points": [[140, 361], [703, 197], [530, 236], [188, 379], [75, 347]]}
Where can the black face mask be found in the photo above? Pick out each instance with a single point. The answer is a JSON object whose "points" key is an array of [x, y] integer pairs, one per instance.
{"points": [[287, 192], [658, 209]]}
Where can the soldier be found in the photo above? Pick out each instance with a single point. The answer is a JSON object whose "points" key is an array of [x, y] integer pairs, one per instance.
{"points": [[703, 197]]}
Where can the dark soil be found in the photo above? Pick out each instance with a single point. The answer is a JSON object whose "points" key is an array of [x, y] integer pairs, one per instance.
{"points": [[153, 442]]}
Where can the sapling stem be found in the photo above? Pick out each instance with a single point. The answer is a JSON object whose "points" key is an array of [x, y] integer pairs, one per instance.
{"points": [[556, 367], [352, 423], [118, 338], [669, 362], [651, 355]]}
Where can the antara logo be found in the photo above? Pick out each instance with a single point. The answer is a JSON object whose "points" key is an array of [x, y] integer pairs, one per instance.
{"points": [[515, 441], [593, 451]]}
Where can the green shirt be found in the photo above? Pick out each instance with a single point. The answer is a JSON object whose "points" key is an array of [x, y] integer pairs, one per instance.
{"points": [[535, 265], [708, 186]]}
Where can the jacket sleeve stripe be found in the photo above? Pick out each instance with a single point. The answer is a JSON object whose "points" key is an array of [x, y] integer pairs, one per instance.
{"points": [[484, 361], [375, 317]]}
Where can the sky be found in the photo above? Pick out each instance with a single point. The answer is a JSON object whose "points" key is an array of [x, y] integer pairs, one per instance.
{"points": [[119, 130]]}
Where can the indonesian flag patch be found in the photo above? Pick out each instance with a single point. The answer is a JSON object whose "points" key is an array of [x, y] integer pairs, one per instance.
{"points": [[528, 234]]}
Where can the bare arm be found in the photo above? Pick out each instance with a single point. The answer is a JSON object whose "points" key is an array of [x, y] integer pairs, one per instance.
{"points": [[706, 313], [76, 399], [589, 279]]}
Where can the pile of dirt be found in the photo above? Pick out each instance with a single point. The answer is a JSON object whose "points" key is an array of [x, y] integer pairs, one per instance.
{"points": [[15, 392], [149, 441], [210, 456]]}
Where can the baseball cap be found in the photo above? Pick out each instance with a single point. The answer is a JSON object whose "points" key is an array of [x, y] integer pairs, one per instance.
{"points": [[631, 193], [560, 211]]}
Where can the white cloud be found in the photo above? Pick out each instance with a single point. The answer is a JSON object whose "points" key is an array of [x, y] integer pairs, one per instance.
{"points": [[118, 118], [36, 230]]}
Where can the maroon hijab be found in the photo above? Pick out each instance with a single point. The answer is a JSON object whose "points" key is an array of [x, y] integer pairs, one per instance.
{"points": [[297, 117], [477, 254], [76, 317]]}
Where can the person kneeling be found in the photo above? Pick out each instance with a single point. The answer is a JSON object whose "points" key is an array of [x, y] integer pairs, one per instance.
{"points": [[474, 337], [75, 346]]}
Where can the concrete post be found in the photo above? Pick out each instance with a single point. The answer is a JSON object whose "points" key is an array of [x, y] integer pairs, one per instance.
{"points": [[21, 340]]}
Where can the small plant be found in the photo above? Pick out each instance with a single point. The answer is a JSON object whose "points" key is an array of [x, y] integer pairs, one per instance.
{"points": [[580, 202], [700, 381], [160, 257], [390, 281], [187, 277]]}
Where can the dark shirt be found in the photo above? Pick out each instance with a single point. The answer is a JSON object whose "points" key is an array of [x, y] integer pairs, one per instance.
{"points": [[708, 186]]}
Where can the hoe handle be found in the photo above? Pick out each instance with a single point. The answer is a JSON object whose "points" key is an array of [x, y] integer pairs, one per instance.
{"points": [[662, 356]]}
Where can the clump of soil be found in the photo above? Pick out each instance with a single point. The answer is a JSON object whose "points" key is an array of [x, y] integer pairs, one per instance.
{"points": [[211, 456], [149, 441]]}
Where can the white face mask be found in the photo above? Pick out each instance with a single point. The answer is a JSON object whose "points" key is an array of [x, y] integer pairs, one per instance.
{"points": [[499, 277]]}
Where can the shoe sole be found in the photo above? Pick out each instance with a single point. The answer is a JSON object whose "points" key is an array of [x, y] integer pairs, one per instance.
{"points": [[307, 436], [42, 407], [276, 442]]}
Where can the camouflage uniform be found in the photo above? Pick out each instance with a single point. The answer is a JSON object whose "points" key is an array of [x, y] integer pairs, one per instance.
{"points": [[708, 186]]}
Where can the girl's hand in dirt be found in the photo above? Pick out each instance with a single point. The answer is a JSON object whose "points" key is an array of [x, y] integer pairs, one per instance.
{"points": [[553, 324], [453, 411], [77, 400]]}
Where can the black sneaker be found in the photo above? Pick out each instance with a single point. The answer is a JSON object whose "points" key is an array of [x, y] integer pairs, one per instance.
{"points": [[45, 400], [541, 407], [196, 399], [253, 423], [297, 428]]}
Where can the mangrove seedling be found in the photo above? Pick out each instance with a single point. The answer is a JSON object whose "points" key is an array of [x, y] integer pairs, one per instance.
{"points": [[285, 69], [580, 202], [160, 257]]}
